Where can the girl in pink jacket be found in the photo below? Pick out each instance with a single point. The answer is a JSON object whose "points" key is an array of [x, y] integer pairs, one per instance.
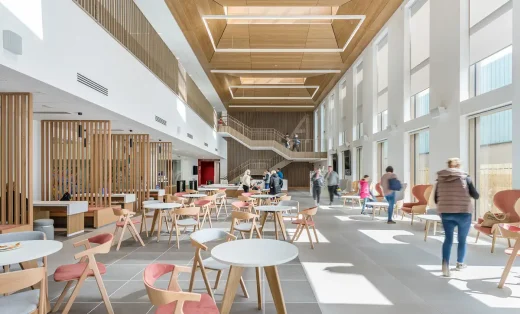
{"points": [[364, 191]]}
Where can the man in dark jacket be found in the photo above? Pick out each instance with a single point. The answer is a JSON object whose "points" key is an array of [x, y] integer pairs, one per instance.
{"points": [[275, 185]]}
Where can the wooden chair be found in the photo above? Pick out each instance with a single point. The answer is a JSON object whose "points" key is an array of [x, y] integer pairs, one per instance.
{"points": [[173, 299], [247, 199], [248, 194], [294, 205], [190, 221], [505, 202], [145, 214], [168, 198], [380, 197], [241, 206], [126, 221], [87, 267], [199, 240], [305, 221], [509, 231], [422, 194], [206, 204], [244, 223], [221, 202], [28, 301], [191, 191]]}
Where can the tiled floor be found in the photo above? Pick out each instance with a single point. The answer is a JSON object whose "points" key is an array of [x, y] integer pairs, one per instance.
{"points": [[360, 266]]}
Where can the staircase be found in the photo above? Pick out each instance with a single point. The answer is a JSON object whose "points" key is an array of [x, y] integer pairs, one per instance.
{"points": [[268, 139], [257, 167]]}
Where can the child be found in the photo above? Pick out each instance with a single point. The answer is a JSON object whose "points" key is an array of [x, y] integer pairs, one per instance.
{"points": [[364, 191]]}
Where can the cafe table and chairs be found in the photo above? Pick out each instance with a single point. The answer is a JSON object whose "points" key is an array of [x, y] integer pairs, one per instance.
{"points": [[208, 191], [263, 199], [161, 213], [379, 206], [277, 212], [430, 219], [260, 254]]}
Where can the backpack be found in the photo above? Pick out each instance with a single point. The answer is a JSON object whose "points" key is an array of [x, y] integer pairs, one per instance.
{"points": [[394, 184], [66, 197]]}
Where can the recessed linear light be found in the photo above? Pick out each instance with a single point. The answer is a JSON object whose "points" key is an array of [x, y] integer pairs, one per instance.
{"points": [[289, 19], [275, 86], [275, 71], [255, 106]]}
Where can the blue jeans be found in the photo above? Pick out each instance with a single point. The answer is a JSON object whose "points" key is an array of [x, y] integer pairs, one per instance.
{"points": [[365, 200], [390, 198], [449, 221], [266, 185]]}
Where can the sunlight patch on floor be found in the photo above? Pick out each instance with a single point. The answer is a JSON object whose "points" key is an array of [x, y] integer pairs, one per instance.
{"points": [[338, 283], [480, 282], [304, 238], [386, 236]]}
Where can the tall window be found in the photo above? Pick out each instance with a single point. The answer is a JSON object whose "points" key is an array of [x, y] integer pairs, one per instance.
{"points": [[358, 101], [491, 37], [359, 163], [382, 157], [420, 58], [382, 84], [491, 155], [342, 100], [419, 159]]}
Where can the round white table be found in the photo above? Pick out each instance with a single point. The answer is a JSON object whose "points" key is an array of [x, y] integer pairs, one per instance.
{"points": [[254, 253], [161, 211], [377, 205], [278, 218], [209, 191], [28, 254], [194, 195], [435, 219]]}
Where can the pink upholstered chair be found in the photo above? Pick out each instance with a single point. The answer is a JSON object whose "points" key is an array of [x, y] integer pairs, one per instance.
{"points": [[505, 202], [422, 194], [247, 194], [305, 221], [205, 205], [241, 206], [126, 221], [174, 300], [87, 267]]}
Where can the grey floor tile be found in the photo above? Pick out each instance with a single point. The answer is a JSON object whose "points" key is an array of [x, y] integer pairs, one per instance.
{"points": [[122, 272]]}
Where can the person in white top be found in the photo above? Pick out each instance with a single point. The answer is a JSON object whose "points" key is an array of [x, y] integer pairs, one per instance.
{"points": [[246, 181]]}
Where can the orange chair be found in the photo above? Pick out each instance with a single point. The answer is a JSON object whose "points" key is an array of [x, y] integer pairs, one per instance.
{"points": [[305, 220], [422, 194], [87, 267], [174, 300], [126, 221], [505, 202], [380, 195]]}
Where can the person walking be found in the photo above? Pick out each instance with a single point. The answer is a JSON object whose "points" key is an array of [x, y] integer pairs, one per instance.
{"points": [[390, 184], [279, 173], [275, 184], [317, 184], [296, 143], [332, 179], [266, 179], [364, 191], [453, 196], [246, 180]]}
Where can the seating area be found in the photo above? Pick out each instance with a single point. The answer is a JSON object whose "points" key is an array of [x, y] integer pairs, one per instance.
{"points": [[259, 156]]}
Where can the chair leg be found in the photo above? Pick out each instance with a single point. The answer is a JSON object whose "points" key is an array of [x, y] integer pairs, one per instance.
{"points": [[217, 280], [192, 277], [493, 241], [478, 234], [309, 234], [412, 219], [509, 242], [136, 234], [244, 289], [509, 264], [295, 233], [62, 296], [103, 290], [178, 235], [74, 293], [315, 234], [121, 237], [259, 235], [206, 281]]}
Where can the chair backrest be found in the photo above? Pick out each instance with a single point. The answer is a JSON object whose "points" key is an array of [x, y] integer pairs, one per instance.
{"points": [[422, 193], [159, 296], [285, 198], [191, 191], [18, 280], [355, 186], [247, 194], [208, 235], [103, 241], [240, 204], [242, 215], [168, 198], [505, 202], [22, 236], [309, 211], [379, 189], [220, 195], [119, 211], [202, 202], [290, 203], [244, 198], [187, 211]]}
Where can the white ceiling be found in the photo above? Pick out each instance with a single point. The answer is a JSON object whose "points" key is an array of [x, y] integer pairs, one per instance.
{"points": [[47, 98]]}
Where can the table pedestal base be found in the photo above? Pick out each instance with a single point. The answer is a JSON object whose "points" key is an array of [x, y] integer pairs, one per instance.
{"points": [[278, 223]]}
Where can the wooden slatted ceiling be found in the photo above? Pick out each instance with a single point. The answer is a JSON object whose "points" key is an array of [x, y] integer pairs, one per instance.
{"points": [[76, 158], [188, 15], [16, 153]]}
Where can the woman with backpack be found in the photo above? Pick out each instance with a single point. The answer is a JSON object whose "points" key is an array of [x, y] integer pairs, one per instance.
{"points": [[317, 184], [390, 184], [453, 196]]}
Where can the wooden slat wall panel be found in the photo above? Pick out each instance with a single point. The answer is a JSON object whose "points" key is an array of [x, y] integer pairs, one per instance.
{"points": [[238, 154], [298, 174], [74, 157], [131, 165], [285, 122], [161, 154], [16, 149], [123, 20]]}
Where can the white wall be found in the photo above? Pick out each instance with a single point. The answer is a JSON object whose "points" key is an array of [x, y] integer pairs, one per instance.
{"points": [[449, 84], [61, 40]]}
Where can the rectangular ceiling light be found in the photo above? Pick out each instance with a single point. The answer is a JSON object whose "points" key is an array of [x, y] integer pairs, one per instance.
{"points": [[289, 19], [272, 80], [273, 86], [275, 71], [256, 106]]}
